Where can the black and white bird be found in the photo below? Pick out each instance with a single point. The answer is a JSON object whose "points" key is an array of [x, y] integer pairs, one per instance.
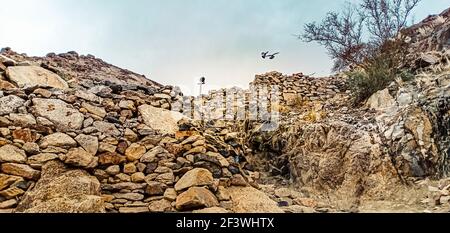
{"points": [[265, 55]]}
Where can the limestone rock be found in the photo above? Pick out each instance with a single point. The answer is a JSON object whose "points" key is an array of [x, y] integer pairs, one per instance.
{"points": [[59, 113], [80, 158], [21, 170], [134, 152], [111, 158], [62, 190], [160, 206], [89, 143], [194, 177], [380, 100], [107, 128], [98, 111], [161, 120], [58, 140], [12, 154], [196, 198], [28, 76]]}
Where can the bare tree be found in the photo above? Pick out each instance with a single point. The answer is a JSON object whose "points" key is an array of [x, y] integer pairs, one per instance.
{"points": [[385, 18], [342, 34]]}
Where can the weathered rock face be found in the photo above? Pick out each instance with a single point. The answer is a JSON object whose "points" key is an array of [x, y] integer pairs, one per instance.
{"points": [[61, 190], [30, 76], [59, 113]]}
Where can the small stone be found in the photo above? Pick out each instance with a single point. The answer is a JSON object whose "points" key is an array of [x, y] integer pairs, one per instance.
{"points": [[113, 170], [111, 158], [80, 158], [129, 168], [160, 206], [31, 148], [130, 135], [106, 147], [127, 104], [195, 177], [238, 180], [10, 104], [98, 111], [23, 119], [155, 188], [58, 140], [166, 178], [196, 198], [40, 159], [8, 204], [170, 194], [122, 147], [11, 192], [129, 196], [135, 152], [12, 154], [25, 135], [21, 170], [89, 143], [108, 129], [138, 177]]}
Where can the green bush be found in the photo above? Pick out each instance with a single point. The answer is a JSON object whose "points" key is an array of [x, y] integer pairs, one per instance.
{"points": [[364, 83]]}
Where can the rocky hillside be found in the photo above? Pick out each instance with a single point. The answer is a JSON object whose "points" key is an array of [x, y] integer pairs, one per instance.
{"points": [[80, 135]]}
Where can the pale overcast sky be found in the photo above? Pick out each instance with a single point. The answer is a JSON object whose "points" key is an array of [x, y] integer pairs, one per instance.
{"points": [[175, 42]]}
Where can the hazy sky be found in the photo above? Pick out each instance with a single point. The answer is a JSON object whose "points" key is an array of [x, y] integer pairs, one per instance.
{"points": [[175, 42]]}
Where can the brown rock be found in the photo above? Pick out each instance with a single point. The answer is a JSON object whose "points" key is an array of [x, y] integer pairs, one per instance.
{"points": [[21, 170], [135, 152], [58, 140], [196, 198], [7, 180], [12, 154], [89, 143], [11, 192], [111, 158], [122, 147], [170, 194], [129, 168], [80, 158], [160, 206], [194, 177], [155, 188], [25, 135]]}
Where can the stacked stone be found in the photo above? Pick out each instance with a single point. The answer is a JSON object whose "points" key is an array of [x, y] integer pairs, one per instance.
{"points": [[298, 87], [126, 137]]}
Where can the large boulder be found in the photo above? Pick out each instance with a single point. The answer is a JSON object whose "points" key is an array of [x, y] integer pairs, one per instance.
{"points": [[29, 76], [59, 113], [62, 190], [251, 200], [159, 119]]}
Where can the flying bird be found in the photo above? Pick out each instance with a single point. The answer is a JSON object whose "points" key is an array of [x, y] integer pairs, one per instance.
{"points": [[265, 55]]}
